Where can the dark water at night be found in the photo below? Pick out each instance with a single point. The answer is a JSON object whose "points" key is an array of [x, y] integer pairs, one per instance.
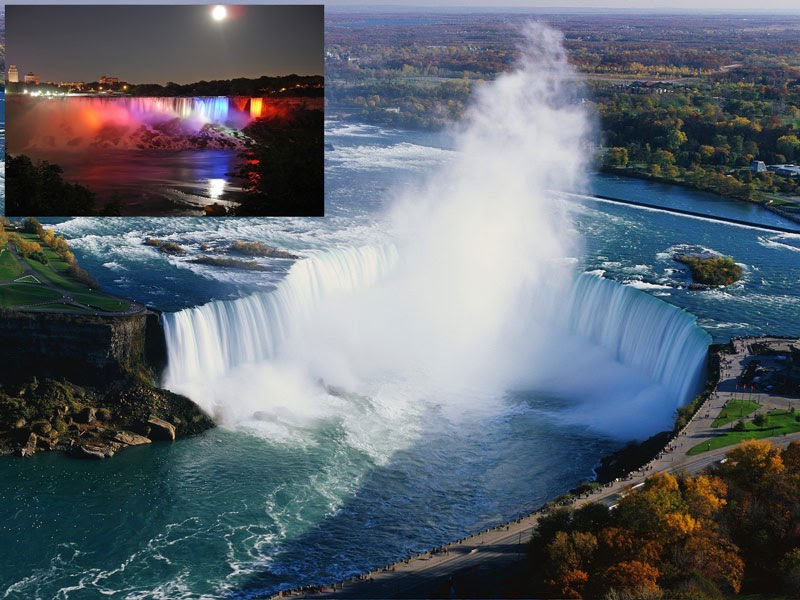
{"points": [[156, 182]]}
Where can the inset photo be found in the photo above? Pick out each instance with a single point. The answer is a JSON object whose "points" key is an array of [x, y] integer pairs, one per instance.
{"points": [[212, 110]]}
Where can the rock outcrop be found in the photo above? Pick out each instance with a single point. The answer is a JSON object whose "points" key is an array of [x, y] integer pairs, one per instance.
{"points": [[51, 415]]}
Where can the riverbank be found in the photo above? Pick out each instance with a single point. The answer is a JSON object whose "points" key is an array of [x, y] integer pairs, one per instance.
{"points": [[786, 210], [693, 214], [489, 563]]}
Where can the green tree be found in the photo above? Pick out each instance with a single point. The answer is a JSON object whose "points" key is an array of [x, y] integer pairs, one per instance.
{"points": [[616, 157], [789, 146]]}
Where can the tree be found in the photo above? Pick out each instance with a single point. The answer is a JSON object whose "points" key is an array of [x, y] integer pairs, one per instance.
{"points": [[39, 189], [646, 512], [632, 576], [570, 551], [753, 460], [789, 146], [616, 157], [761, 420], [663, 158], [675, 138], [716, 558], [617, 544], [790, 571], [284, 168], [704, 496]]}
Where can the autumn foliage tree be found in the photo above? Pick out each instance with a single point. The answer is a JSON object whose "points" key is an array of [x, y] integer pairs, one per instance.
{"points": [[733, 530]]}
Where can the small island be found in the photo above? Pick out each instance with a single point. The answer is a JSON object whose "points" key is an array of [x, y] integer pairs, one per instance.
{"points": [[710, 270]]}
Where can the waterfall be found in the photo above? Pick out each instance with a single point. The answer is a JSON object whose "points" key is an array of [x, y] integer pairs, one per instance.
{"points": [[68, 122], [218, 110], [474, 297], [209, 340], [657, 339]]}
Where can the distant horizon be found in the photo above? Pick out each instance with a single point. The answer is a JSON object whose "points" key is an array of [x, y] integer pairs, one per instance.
{"points": [[356, 5]]}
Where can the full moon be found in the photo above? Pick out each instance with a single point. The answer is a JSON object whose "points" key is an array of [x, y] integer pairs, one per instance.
{"points": [[219, 12]]}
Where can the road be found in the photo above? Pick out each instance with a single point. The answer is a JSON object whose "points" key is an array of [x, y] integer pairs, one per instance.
{"points": [[420, 576]]}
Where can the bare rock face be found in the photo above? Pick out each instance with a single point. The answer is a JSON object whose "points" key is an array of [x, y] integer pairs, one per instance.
{"points": [[97, 451], [83, 349], [29, 449], [160, 430], [128, 438]]}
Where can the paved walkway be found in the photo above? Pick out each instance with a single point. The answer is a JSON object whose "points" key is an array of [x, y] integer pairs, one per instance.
{"points": [[417, 577]]}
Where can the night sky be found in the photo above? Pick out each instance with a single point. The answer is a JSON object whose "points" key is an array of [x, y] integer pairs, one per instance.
{"points": [[157, 44]]}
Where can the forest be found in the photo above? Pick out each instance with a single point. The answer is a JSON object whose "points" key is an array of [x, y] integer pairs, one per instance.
{"points": [[688, 99], [731, 531]]}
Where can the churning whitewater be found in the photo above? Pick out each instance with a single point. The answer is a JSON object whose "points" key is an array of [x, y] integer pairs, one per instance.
{"points": [[471, 296]]}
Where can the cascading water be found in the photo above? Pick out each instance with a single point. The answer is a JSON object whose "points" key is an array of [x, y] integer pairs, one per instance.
{"points": [[207, 341], [68, 123], [657, 339], [640, 330]]}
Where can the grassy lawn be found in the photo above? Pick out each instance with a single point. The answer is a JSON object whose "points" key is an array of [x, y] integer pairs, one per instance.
{"points": [[21, 294], [9, 266], [735, 410], [54, 273], [100, 301], [56, 276], [71, 308], [780, 421]]}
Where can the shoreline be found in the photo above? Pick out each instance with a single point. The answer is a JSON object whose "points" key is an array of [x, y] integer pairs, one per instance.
{"points": [[632, 174], [342, 113], [488, 556], [690, 214]]}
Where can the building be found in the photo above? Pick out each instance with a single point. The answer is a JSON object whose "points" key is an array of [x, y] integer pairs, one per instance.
{"points": [[758, 166], [32, 78], [13, 74], [785, 170], [78, 85], [104, 80]]}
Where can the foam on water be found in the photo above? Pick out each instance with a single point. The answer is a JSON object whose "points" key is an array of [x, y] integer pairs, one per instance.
{"points": [[398, 156]]}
